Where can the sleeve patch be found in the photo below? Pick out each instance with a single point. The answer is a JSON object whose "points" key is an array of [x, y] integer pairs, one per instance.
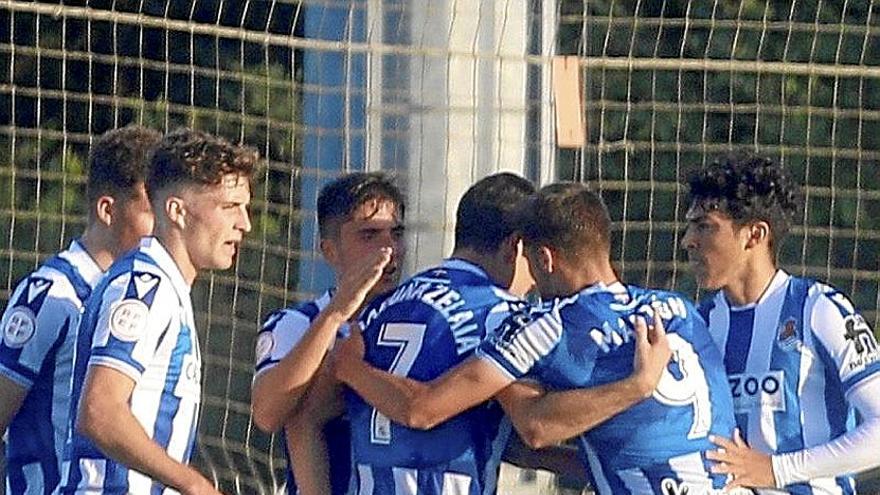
{"points": [[19, 328], [265, 345], [128, 319], [864, 346]]}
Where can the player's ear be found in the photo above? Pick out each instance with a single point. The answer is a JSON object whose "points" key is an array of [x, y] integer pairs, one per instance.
{"points": [[512, 247], [175, 211], [329, 250], [104, 210], [546, 259], [759, 233]]}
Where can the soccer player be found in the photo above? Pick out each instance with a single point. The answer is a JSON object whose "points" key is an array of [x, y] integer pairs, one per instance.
{"points": [[589, 344], [360, 220], [137, 371], [429, 324], [40, 322], [799, 357]]}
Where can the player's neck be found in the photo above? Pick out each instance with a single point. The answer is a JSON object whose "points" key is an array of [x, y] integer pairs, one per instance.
{"points": [[100, 245], [176, 248], [576, 278], [499, 272], [750, 284]]}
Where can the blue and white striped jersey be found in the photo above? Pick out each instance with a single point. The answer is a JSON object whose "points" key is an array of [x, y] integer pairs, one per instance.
{"points": [[791, 360], [429, 324], [139, 322], [282, 331], [587, 340], [39, 330]]}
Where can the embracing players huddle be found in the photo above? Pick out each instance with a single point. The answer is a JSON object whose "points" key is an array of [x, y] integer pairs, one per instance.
{"points": [[421, 387]]}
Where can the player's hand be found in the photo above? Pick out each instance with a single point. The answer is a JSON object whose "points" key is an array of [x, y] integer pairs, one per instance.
{"points": [[746, 466], [349, 354], [355, 284], [652, 353], [199, 485]]}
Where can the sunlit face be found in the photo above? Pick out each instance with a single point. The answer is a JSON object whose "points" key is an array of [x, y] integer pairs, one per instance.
{"points": [[716, 246], [216, 219], [373, 225], [132, 219]]}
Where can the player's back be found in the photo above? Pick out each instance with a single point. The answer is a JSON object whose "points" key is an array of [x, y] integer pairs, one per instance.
{"points": [[431, 323], [658, 445]]}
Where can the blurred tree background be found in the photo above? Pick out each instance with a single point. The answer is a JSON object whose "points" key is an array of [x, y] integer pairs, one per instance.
{"points": [[668, 86]]}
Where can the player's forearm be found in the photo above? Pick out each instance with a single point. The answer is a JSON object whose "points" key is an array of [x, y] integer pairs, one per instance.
{"points": [[560, 459], [11, 397], [403, 400], [548, 419], [277, 391], [119, 435], [854, 451], [308, 456]]}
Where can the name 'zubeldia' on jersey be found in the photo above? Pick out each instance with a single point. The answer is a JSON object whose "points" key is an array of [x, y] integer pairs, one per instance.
{"points": [[437, 294]]}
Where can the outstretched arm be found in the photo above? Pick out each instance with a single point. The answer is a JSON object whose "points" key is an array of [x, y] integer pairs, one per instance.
{"points": [[420, 405], [544, 419]]}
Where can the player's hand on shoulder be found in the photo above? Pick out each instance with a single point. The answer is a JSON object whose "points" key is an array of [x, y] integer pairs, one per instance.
{"points": [[652, 353], [348, 354], [356, 283]]}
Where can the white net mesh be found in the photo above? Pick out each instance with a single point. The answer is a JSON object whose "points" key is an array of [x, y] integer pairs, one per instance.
{"points": [[443, 92]]}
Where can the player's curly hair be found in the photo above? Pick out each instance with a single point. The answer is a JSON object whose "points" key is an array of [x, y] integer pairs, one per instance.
{"points": [[339, 199], [119, 160], [186, 156], [748, 188]]}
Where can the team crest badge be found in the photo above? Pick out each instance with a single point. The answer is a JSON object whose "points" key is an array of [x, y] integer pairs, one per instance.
{"points": [[788, 335], [19, 327], [128, 319]]}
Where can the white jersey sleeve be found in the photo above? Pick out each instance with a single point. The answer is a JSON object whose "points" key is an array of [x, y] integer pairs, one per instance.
{"points": [[846, 341], [283, 330], [136, 311], [43, 309]]}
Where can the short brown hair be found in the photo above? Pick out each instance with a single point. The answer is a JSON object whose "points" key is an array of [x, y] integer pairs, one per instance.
{"points": [[339, 199], [569, 217], [119, 160], [186, 156]]}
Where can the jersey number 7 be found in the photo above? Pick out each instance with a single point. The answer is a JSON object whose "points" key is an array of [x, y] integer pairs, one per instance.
{"points": [[407, 338]]}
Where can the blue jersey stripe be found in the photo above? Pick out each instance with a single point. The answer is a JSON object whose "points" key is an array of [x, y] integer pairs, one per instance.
{"points": [[738, 343]]}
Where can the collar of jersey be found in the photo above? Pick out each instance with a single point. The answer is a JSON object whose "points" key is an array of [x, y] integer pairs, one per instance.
{"points": [[617, 289], [154, 249], [464, 265], [88, 269], [779, 281]]}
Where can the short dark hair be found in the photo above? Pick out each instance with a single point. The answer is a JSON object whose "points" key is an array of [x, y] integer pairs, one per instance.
{"points": [[487, 213], [186, 156], [748, 188], [119, 160], [339, 199], [569, 217]]}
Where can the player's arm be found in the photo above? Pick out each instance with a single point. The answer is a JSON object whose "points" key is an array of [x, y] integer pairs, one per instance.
{"points": [[105, 418], [412, 403], [851, 349], [277, 391], [544, 419], [12, 395], [306, 442]]}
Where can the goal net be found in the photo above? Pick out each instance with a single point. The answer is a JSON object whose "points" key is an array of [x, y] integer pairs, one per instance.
{"points": [[442, 93]]}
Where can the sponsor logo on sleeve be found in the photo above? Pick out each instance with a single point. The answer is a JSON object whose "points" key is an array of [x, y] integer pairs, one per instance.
{"points": [[863, 350], [759, 391], [128, 319], [19, 328]]}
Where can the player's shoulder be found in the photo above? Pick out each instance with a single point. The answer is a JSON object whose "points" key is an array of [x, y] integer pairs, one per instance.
{"points": [[296, 316]]}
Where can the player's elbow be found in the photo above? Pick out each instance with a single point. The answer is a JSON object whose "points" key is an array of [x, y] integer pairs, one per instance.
{"points": [[264, 419], [419, 418], [534, 434]]}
